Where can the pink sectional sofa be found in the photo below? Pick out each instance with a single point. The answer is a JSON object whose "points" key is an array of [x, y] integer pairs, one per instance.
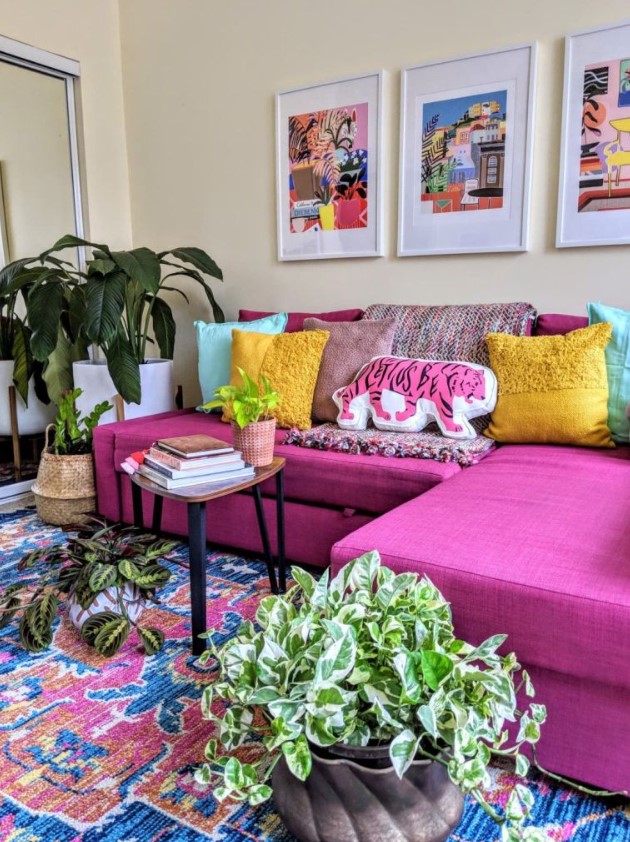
{"points": [[533, 541], [327, 495]]}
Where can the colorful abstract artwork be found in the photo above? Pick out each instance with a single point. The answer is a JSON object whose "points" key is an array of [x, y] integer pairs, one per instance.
{"points": [[462, 153], [328, 169], [604, 164]]}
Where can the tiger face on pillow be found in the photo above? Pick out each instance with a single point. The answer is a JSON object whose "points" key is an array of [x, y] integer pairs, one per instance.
{"points": [[404, 395]]}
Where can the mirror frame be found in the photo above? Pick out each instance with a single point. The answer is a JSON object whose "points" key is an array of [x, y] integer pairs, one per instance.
{"points": [[41, 61]]}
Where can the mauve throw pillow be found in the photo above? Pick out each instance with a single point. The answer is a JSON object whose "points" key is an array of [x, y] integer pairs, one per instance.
{"points": [[296, 320], [350, 345]]}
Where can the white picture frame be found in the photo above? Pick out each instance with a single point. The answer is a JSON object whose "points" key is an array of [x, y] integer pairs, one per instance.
{"points": [[466, 132], [595, 139], [329, 157]]}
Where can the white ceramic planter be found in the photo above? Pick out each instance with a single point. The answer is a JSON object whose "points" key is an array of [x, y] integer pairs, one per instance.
{"points": [[32, 418], [107, 600], [156, 380]]}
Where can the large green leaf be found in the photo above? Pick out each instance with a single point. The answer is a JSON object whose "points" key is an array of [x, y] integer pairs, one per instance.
{"points": [[337, 661], [76, 321], [70, 241], [104, 305], [123, 368], [217, 312], [198, 258], [46, 303], [402, 751], [58, 369], [103, 576], [298, 757], [129, 570], [32, 639], [163, 328], [152, 639], [10, 272], [435, 667], [22, 360], [111, 636], [153, 576], [141, 265], [92, 626], [9, 607]]}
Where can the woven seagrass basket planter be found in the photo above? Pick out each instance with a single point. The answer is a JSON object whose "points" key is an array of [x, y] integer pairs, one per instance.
{"points": [[64, 490], [255, 441]]}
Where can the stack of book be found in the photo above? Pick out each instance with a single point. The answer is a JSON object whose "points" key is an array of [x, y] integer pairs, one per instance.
{"points": [[193, 460]]}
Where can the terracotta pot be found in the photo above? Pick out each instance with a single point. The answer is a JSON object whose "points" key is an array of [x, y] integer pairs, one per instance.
{"points": [[363, 800], [255, 441]]}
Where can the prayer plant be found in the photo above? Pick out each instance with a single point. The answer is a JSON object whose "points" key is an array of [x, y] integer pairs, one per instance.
{"points": [[367, 658], [101, 556]]}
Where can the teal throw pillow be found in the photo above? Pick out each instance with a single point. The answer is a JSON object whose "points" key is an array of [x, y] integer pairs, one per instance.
{"points": [[214, 343], [617, 367]]}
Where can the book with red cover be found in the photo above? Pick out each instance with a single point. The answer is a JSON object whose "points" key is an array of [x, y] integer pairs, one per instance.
{"points": [[189, 447], [181, 464]]}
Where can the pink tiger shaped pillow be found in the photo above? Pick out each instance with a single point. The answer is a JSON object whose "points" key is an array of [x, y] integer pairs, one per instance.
{"points": [[404, 395]]}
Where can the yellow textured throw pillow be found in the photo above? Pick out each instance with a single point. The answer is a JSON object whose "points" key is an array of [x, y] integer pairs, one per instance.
{"points": [[552, 389], [290, 361]]}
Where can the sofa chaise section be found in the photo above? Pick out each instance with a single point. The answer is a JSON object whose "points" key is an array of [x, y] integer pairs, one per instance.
{"points": [[535, 542], [327, 494]]}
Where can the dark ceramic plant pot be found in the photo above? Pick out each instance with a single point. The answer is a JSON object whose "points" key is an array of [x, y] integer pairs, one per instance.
{"points": [[363, 800]]}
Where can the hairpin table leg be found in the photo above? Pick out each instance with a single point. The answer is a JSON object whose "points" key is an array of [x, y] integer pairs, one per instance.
{"points": [[262, 525], [197, 554], [282, 576]]}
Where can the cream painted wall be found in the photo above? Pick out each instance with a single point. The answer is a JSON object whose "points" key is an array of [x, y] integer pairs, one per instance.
{"points": [[199, 81], [87, 31]]}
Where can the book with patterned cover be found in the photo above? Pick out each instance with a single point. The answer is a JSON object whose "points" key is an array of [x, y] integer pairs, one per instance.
{"points": [[195, 445], [181, 463]]}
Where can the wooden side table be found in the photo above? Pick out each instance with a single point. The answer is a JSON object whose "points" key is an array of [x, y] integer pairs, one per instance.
{"points": [[196, 497]]}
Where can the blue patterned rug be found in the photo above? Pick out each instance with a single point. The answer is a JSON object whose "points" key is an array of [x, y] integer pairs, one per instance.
{"points": [[104, 750]]}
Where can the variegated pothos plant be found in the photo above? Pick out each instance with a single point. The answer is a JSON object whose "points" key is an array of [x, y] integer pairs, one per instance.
{"points": [[367, 657]]}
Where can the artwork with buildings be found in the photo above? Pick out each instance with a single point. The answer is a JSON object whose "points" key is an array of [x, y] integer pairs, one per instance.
{"points": [[605, 137], [328, 169], [463, 153]]}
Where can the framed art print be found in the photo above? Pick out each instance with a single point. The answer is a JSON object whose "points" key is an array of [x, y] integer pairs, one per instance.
{"points": [[465, 153], [328, 169], [595, 152]]}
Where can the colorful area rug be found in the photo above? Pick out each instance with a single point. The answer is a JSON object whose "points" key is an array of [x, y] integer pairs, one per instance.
{"points": [[104, 750]]}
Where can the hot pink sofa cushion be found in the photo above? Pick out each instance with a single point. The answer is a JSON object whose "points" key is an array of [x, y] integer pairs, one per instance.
{"points": [[554, 324], [535, 542], [371, 484], [296, 320]]}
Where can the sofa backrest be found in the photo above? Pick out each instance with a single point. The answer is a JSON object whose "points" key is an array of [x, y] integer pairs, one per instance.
{"points": [[553, 324]]}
